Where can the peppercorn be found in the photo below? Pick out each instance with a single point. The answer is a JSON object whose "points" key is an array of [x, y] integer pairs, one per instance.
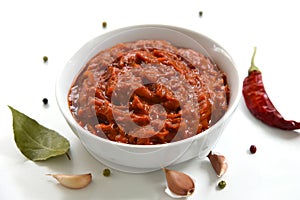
{"points": [[45, 101], [200, 13], [253, 149], [106, 172], [45, 58], [104, 24], [222, 184]]}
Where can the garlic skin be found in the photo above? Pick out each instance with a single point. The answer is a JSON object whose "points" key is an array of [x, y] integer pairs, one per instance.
{"points": [[77, 181], [179, 183], [219, 163]]}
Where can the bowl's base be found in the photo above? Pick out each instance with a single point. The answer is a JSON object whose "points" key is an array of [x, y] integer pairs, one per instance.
{"points": [[186, 156], [122, 168]]}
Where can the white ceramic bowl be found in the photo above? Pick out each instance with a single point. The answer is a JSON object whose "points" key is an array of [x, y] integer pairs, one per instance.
{"points": [[146, 158]]}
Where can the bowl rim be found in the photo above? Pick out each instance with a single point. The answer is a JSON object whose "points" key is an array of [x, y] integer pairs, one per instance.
{"points": [[233, 104]]}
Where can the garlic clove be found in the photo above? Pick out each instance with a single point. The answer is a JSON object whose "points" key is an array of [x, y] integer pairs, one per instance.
{"points": [[179, 183], [73, 181], [219, 163], [176, 196]]}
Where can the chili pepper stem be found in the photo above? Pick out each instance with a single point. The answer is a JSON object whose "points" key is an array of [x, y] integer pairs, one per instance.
{"points": [[253, 66]]}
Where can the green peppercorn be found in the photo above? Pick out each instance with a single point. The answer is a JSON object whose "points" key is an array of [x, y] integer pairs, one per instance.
{"points": [[104, 24], [45, 58], [106, 172], [200, 13], [222, 184]]}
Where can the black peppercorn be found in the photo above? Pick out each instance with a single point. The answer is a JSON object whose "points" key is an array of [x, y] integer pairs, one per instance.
{"points": [[45, 101]]}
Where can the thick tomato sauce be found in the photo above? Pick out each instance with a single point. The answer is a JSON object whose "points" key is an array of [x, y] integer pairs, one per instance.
{"points": [[148, 92]]}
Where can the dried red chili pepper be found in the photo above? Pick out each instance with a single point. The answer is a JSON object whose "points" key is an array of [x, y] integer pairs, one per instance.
{"points": [[258, 102]]}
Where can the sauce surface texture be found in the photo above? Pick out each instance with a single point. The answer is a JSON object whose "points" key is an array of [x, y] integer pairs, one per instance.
{"points": [[148, 92]]}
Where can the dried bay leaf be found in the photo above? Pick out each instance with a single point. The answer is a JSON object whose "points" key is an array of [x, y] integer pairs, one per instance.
{"points": [[35, 141]]}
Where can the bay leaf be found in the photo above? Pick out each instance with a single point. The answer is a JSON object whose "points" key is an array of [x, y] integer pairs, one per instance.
{"points": [[35, 141]]}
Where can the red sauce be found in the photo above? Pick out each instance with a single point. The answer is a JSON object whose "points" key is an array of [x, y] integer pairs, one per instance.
{"points": [[148, 92]]}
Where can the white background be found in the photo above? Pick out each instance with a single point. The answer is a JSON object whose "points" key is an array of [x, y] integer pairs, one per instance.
{"points": [[32, 29]]}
